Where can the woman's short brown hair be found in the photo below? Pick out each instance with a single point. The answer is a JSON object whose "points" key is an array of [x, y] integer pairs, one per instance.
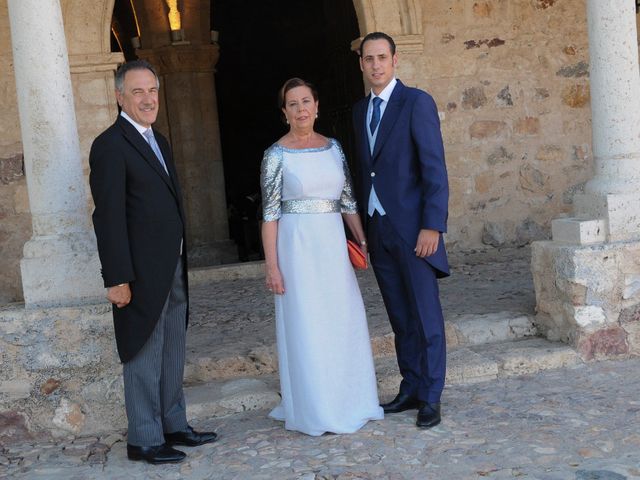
{"points": [[290, 85]]}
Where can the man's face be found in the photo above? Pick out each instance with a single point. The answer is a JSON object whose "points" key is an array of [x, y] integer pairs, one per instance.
{"points": [[378, 64], [139, 96]]}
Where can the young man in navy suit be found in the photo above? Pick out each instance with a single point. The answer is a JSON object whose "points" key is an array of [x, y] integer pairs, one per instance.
{"points": [[404, 195]]}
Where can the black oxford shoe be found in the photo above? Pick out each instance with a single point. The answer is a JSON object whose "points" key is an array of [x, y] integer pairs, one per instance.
{"points": [[157, 454], [428, 415], [190, 437], [401, 403]]}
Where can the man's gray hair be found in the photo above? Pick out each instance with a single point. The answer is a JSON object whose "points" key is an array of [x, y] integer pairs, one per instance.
{"points": [[134, 65]]}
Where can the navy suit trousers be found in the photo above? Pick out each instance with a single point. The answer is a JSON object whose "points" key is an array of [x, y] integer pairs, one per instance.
{"points": [[410, 292]]}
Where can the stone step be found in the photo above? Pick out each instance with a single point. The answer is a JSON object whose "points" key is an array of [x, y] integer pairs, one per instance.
{"points": [[230, 271], [461, 331], [465, 365]]}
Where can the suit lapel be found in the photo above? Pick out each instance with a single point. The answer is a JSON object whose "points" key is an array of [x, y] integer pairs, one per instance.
{"points": [[173, 173], [141, 145], [391, 114], [360, 121]]}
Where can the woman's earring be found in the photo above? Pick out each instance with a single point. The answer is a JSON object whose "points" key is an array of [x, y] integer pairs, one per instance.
{"points": [[316, 114], [287, 120]]}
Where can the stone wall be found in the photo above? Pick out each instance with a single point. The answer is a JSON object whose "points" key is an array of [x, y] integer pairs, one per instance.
{"points": [[60, 371], [510, 78], [589, 296]]}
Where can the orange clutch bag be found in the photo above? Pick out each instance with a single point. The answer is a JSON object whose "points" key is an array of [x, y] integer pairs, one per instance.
{"points": [[357, 257]]}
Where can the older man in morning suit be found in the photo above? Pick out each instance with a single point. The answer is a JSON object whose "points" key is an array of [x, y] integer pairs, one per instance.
{"points": [[139, 225], [404, 191]]}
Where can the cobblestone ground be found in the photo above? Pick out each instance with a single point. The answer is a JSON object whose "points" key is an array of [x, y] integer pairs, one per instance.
{"points": [[580, 423]]}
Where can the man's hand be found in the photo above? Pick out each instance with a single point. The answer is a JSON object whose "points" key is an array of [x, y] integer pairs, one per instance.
{"points": [[120, 295], [427, 243]]}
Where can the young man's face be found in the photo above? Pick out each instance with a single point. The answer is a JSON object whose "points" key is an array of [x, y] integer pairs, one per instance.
{"points": [[378, 64]]}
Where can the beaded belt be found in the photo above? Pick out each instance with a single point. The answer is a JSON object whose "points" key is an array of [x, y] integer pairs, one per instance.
{"points": [[310, 205]]}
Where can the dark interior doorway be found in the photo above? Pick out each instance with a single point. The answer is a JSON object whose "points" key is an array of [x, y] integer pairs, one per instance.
{"points": [[263, 43]]}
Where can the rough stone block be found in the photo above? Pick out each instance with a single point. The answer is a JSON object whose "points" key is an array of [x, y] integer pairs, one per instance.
{"points": [[528, 126], [466, 366], [631, 286], [550, 153], [529, 356], [493, 327], [215, 399], [576, 96], [246, 270], [588, 317], [11, 390], [473, 98], [14, 427], [494, 234], [578, 231], [606, 343], [482, 129], [532, 179], [69, 417]]}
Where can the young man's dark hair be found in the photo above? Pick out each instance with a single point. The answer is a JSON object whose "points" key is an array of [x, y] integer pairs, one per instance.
{"points": [[378, 36]]}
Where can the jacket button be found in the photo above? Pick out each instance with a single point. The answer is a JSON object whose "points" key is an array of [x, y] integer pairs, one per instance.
{"points": [[373, 174]]}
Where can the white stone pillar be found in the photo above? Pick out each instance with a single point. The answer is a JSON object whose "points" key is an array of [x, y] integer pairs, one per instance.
{"points": [[613, 195], [60, 264], [587, 280]]}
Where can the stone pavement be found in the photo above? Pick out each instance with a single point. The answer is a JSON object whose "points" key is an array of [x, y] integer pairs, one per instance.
{"points": [[579, 423], [504, 416]]}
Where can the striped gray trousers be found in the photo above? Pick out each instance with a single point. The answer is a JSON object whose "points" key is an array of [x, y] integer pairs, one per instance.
{"points": [[153, 394]]}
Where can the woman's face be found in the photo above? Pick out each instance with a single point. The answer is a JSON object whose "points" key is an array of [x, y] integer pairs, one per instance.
{"points": [[300, 108]]}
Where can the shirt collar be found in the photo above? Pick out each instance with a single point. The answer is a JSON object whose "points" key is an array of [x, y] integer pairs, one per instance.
{"points": [[385, 94], [139, 127]]}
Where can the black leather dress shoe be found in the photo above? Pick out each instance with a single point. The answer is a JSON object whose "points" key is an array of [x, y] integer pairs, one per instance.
{"points": [[157, 454], [428, 415], [190, 437], [401, 403]]}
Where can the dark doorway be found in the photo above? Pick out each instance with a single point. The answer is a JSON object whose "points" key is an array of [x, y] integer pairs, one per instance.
{"points": [[262, 44]]}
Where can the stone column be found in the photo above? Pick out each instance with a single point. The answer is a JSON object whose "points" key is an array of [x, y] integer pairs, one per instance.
{"points": [[587, 279], [190, 118], [60, 264], [614, 192]]}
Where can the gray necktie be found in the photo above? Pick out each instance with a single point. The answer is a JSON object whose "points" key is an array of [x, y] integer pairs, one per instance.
{"points": [[148, 134]]}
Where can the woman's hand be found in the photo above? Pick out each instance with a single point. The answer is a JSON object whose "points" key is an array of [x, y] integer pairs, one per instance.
{"points": [[274, 280]]}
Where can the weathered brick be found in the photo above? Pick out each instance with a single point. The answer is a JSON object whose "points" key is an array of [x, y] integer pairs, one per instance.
{"points": [[528, 126], [486, 128], [576, 96], [473, 98]]}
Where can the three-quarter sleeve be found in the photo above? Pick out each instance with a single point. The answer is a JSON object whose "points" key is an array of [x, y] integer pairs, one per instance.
{"points": [[271, 184], [348, 202]]}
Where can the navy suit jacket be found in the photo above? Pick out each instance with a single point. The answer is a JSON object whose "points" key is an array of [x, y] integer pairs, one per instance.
{"points": [[407, 167]]}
